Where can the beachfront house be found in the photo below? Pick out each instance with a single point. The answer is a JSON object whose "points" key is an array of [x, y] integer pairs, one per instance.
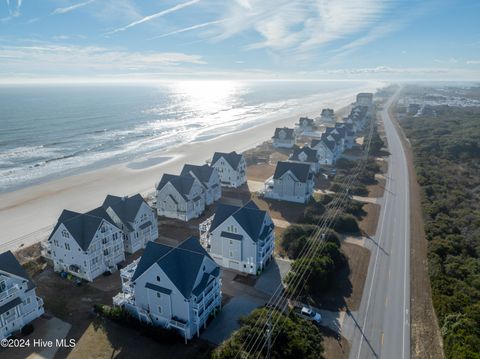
{"points": [[327, 117], [349, 134], [231, 168], [292, 181], [365, 99], [306, 155], [180, 197], [338, 135], [305, 125], [209, 179], [173, 287], [19, 304], [135, 218], [284, 137], [239, 238], [326, 150], [85, 245]]}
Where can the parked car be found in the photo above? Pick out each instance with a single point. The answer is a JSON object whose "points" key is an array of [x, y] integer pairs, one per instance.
{"points": [[310, 314]]}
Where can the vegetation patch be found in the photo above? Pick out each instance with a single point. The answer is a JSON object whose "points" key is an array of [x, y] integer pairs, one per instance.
{"points": [[295, 337], [447, 153]]}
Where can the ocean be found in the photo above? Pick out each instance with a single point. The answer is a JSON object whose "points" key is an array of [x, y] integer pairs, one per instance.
{"points": [[56, 130]]}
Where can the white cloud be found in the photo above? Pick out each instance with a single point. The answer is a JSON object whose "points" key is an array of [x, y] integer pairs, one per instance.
{"points": [[64, 10], [300, 25], [46, 59], [154, 16], [13, 10], [473, 62], [189, 28]]}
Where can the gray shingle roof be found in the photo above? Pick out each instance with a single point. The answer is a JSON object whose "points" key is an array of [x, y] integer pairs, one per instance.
{"points": [[202, 173], [183, 184], [181, 264], [233, 158], [300, 170], [288, 133], [9, 264], [82, 227], [309, 152], [126, 208], [249, 217], [330, 144]]}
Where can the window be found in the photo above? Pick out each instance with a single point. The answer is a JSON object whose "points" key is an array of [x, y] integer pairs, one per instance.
{"points": [[67, 246], [105, 252], [55, 242], [65, 234], [160, 309], [231, 242], [231, 254], [158, 278], [158, 295]]}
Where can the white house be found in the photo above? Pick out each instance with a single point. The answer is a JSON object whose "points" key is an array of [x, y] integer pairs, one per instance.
{"points": [[338, 134], [325, 149], [85, 245], [305, 125], [292, 181], [209, 179], [327, 117], [365, 99], [180, 197], [174, 287], [349, 137], [284, 137], [240, 238], [231, 168], [135, 218], [19, 304], [306, 155]]}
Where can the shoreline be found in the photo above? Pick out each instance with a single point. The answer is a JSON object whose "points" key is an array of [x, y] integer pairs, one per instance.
{"points": [[27, 214]]}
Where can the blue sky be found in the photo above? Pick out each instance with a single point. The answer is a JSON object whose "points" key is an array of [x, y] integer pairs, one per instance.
{"points": [[291, 39]]}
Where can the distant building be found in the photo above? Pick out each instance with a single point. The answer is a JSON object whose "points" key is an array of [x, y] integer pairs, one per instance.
{"points": [[173, 287], [231, 168], [305, 125], [413, 108], [240, 238], [135, 218], [19, 304], [284, 137], [180, 197], [209, 179], [85, 245], [291, 182], [306, 155], [365, 99], [327, 117]]}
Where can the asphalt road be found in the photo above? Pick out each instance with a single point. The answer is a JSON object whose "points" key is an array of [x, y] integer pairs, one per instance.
{"points": [[381, 326]]}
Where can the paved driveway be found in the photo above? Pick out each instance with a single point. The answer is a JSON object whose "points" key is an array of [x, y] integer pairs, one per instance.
{"points": [[227, 321]]}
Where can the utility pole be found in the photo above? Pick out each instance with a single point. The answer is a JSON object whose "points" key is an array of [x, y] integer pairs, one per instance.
{"points": [[269, 336]]}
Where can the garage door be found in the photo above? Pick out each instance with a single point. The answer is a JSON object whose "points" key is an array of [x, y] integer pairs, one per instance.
{"points": [[234, 265]]}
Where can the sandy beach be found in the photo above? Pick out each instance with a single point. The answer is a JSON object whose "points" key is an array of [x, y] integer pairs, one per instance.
{"points": [[27, 215]]}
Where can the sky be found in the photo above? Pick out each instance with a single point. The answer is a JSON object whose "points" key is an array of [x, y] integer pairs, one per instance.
{"points": [[123, 40]]}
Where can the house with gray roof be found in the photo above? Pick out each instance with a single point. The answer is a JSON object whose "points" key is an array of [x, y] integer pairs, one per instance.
{"points": [[239, 238], [305, 125], [231, 168], [326, 149], [176, 288], [284, 137], [180, 197], [19, 304], [291, 181], [85, 245], [306, 155], [327, 117], [135, 218], [209, 179]]}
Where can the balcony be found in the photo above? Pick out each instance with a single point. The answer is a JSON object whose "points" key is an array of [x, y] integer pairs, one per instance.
{"points": [[9, 293], [123, 298], [178, 323]]}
